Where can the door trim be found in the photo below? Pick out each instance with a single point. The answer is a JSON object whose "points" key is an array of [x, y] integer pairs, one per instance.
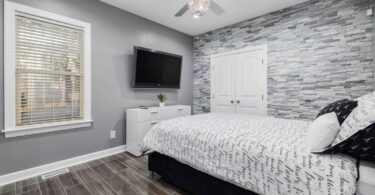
{"points": [[243, 50], [263, 48]]}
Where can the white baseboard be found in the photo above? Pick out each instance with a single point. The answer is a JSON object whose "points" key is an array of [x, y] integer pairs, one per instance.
{"points": [[35, 171]]}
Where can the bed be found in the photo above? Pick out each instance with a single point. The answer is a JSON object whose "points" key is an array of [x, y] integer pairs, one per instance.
{"points": [[262, 155]]}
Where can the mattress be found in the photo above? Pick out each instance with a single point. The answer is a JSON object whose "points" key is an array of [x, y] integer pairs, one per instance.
{"points": [[265, 155]]}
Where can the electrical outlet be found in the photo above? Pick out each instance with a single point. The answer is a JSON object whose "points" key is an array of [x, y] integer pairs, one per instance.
{"points": [[113, 134]]}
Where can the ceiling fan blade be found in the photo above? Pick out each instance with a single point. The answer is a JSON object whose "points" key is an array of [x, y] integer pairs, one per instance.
{"points": [[217, 9], [182, 11]]}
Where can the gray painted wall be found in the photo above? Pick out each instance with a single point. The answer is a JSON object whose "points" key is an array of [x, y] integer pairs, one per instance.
{"points": [[114, 33], [318, 52]]}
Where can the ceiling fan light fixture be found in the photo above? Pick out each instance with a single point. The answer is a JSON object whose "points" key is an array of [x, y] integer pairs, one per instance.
{"points": [[198, 7]]}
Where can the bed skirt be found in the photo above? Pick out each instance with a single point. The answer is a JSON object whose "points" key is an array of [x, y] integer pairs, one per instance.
{"points": [[190, 179]]}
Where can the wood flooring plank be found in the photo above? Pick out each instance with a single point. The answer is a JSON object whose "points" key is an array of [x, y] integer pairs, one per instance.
{"points": [[143, 185], [143, 159], [27, 185], [8, 193], [102, 170], [115, 163], [33, 192], [93, 182], [122, 156], [51, 186], [79, 189], [136, 163], [140, 165], [94, 163], [9, 189], [169, 188], [118, 174], [109, 176], [69, 180], [127, 155], [79, 167]]}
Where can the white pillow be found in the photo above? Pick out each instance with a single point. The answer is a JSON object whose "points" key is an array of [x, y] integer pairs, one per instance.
{"points": [[322, 131]]}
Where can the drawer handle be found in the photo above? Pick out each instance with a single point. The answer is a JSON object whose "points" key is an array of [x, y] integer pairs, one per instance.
{"points": [[154, 112], [181, 109], [154, 123]]}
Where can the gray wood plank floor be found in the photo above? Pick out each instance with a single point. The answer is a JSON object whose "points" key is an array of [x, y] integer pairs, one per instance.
{"points": [[117, 174]]}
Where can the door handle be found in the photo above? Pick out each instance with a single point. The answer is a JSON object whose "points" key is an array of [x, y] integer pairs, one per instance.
{"points": [[232, 101], [238, 101]]}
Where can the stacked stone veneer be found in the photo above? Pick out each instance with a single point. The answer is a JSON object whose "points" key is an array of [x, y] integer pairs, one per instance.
{"points": [[318, 52]]}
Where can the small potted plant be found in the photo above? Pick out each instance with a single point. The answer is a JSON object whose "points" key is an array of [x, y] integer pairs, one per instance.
{"points": [[162, 99]]}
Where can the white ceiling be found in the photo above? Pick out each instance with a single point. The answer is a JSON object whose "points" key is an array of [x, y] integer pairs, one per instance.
{"points": [[163, 11]]}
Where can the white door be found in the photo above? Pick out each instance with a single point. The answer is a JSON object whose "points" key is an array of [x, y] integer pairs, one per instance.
{"points": [[251, 78], [239, 82], [223, 85]]}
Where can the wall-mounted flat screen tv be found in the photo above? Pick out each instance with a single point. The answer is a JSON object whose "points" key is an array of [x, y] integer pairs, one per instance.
{"points": [[156, 69]]}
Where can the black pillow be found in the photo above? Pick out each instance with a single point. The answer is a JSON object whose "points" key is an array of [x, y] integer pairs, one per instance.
{"points": [[361, 145], [342, 108]]}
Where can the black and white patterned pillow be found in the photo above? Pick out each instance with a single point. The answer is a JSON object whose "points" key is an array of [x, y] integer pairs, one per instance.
{"points": [[360, 118], [361, 145], [342, 108], [357, 134]]}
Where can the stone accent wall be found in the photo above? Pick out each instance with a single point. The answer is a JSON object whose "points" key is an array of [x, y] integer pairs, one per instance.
{"points": [[318, 52]]}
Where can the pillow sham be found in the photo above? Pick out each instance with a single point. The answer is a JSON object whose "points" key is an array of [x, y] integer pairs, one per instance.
{"points": [[361, 145], [322, 131], [360, 118], [342, 108], [357, 134]]}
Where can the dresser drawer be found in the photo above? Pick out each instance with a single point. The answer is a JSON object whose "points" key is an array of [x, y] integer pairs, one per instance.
{"points": [[183, 111], [154, 114], [143, 128]]}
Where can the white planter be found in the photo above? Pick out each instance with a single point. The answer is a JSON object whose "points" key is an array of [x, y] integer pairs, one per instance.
{"points": [[161, 104]]}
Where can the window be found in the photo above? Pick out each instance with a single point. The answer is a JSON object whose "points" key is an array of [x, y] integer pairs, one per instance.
{"points": [[47, 71]]}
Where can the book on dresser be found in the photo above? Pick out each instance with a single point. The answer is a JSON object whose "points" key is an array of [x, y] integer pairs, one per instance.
{"points": [[140, 120]]}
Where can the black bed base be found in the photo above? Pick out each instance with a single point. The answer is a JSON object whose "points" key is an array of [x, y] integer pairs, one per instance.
{"points": [[190, 179]]}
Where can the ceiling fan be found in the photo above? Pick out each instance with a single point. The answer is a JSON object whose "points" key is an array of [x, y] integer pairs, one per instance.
{"points": [[200, 8]]}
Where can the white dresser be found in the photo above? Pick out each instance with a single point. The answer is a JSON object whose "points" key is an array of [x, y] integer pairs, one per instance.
{"points": [[139, 121]]}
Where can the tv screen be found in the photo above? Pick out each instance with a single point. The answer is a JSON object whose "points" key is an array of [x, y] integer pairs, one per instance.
{"points": [[155, 69]]}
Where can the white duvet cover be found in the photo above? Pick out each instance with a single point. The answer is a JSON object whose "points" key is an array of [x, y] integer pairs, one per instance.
{"points": [[262, 154]]}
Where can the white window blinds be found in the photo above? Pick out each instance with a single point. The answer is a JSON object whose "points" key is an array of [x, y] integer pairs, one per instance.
{"points": [[49, 70]]}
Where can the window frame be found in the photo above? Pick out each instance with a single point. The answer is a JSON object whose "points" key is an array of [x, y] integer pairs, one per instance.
{"points": [[10, 128]]}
